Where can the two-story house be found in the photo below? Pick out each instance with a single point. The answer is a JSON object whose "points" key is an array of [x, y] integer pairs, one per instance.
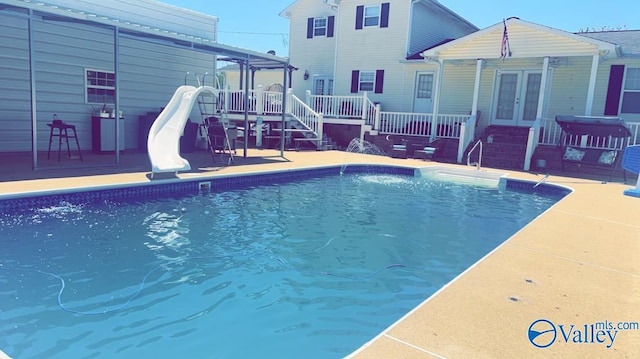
{"points": [[349, 47]]}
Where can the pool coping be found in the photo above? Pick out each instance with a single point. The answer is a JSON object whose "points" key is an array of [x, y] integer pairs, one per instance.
{"points": [[449, 325]]}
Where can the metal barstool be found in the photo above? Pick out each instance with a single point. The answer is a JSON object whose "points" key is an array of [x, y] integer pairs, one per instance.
{"points": [[62, 132]]}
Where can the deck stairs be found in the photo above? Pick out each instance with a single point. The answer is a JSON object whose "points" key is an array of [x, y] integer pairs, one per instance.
{"points": [[504, 147]]}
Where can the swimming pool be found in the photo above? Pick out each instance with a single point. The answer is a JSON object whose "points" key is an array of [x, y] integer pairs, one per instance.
{"points": [[311, 268]]}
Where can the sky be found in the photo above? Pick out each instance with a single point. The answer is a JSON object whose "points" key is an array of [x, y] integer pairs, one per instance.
{"points": [[256, 24]]}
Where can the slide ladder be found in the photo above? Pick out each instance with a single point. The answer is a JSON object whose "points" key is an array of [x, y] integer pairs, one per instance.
{"points": [[215, 123]]}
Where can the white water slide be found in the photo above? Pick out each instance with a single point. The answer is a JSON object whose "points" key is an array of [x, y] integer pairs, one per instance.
{"points": [[163, 143]]}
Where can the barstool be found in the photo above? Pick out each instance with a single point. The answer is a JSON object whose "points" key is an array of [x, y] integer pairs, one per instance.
{"points": [[62, 132]]}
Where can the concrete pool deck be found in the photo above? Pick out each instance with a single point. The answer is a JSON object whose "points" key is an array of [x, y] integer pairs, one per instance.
{"points": [[577, 264]]}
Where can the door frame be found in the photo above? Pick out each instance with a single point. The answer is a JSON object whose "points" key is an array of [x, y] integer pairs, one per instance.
{"points": [[520, 97], [415, 89]]}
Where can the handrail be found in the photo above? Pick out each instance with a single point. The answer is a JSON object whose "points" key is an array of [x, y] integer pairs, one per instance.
{"points": [[543, 180], [478, 164]]}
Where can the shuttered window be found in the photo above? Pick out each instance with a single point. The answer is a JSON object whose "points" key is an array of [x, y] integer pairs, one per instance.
{"points": [[631, 91], [372, 16], [320, 26], [367, 81]]}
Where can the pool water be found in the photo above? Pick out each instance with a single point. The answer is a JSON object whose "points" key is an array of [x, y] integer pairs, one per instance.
{"points": [[308, 269]]}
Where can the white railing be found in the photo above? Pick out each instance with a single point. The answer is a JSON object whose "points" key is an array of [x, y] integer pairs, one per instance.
{"points": [[260, 102], [337, 106], [419, 124], [552, 135], [404, 123], [304, 114]]}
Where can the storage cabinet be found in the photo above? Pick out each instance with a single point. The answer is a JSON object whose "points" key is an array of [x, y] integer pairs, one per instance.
{"points": [[103, 134]]}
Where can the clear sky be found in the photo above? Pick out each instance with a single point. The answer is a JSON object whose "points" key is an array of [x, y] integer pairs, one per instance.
{"points": [[256, 24]]}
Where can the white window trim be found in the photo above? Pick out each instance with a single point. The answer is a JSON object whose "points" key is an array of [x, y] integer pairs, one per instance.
{"points": [[624, 87], [87, 86], [373, 81], [365, 17], [325, 27]]}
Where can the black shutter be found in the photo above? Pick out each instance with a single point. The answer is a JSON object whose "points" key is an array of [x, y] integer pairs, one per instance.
{"points": [[330, 22], [616, 75], [379, 81], [384, 16], [355, 81], [310, 28], [359, 17]]}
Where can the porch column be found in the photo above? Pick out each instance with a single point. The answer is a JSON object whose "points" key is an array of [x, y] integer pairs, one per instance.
{"points": [[468, 129], [543, 87], [534, 132], [436, 101], [592, 84], [476, 88]]}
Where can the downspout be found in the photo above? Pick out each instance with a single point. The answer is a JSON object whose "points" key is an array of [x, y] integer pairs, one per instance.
{"points": [[595, 62], [32, 84], [335, 50]]}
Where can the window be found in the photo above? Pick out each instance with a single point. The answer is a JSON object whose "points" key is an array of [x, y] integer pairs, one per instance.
{"points": [[425, 86], [367, 80], [100, 86], [371, 15], [319, 26], [631, 91]]}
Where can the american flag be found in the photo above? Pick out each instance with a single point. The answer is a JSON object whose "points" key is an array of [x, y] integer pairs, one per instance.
{"points": [[504, 49]]}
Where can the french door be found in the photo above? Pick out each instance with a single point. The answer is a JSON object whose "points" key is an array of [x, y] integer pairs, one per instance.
{"points": [[516, 98]]}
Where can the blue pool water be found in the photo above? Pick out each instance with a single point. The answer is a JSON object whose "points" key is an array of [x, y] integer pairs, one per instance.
{"points": [[310, 269]]}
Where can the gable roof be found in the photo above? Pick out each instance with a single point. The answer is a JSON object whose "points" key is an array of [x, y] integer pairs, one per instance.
{"points": [[526, 39]]}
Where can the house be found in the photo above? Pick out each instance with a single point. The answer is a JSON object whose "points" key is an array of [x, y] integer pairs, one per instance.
{"points": [[520, 74], [71, 59], [349, 47], [435, 75]]}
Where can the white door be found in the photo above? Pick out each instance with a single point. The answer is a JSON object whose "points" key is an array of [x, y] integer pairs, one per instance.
{"points": [[423, 98], [322, 85], [516, 98]]}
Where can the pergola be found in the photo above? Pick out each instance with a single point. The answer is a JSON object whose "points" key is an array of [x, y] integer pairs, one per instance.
{"points": [[250, 60]]}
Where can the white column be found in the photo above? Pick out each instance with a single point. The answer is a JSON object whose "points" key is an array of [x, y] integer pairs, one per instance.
{"points": [[592, 84], [543, 87], [436, 100], [259, 94]]}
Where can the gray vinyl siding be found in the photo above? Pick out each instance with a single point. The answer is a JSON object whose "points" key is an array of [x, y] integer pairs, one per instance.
{"points": [[430, 25], [149, 75], [62, 50], [569, 88], [14, 83]]}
